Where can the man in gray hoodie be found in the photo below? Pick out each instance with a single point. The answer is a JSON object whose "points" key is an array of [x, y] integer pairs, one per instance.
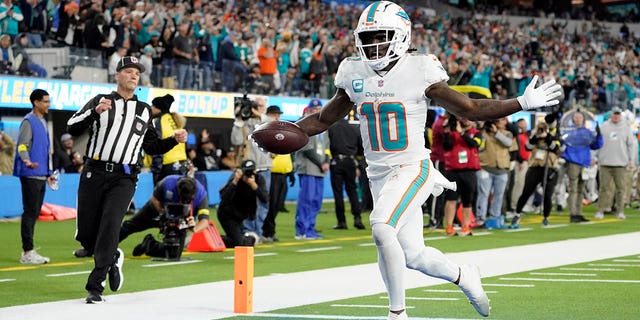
{"points": [[616, 159]]}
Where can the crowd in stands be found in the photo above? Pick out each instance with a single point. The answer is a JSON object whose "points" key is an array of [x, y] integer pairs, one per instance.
{"points": [[294, 48]]}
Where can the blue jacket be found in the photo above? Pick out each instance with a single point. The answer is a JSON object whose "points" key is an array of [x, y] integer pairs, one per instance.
{"points": [[579, 143], [170, 187], [39, 151]]}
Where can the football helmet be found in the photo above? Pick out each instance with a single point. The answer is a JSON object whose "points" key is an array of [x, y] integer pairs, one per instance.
{"points": [[383, 24]]}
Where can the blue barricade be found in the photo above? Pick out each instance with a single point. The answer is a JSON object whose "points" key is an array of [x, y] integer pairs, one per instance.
{"points": [[11, 196]]}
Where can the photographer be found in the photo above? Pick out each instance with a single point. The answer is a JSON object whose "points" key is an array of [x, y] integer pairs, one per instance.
{"points": [[460, 141], [238, 202], [173, 189], [543, 161], [249, 115]]}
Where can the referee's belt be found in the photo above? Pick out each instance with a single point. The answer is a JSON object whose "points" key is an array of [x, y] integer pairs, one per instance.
{"points": [[107, 166], [342, 156]]}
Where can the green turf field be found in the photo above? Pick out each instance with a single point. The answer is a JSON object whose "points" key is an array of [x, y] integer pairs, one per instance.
{"points": [[553, 293]]}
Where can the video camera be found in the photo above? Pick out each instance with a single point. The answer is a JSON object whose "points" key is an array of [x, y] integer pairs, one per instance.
{"points": [[173, 227], [245, 106]]}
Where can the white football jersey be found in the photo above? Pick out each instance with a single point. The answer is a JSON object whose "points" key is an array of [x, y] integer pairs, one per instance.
{"points": [[392, 108]]}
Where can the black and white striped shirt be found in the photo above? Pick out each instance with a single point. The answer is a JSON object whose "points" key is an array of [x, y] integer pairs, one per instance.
{"points": [[118, 135]]}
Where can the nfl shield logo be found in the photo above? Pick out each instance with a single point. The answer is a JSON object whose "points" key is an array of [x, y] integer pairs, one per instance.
{"points": [[139, 126], [380, 83]]}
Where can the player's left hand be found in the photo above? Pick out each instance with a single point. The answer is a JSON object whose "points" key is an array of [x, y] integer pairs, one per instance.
{"points": [[180, 135], [545, 95]]}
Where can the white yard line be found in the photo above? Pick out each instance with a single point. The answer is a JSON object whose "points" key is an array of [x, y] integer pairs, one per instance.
{"points": [[591, 269], [7, 280], [563, 274], [167, 264], [215, 300], [571, 280], [319, 249], [68, 273]]}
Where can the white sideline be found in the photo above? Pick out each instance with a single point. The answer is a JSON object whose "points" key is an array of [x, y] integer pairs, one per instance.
{"points": [[215, 300]]}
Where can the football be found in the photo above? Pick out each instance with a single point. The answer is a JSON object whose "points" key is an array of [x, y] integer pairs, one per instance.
{"points": [[280, 137]]}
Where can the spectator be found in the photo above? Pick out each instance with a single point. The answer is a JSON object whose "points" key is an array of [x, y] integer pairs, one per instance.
{"points": [[186, 54], [147, 61], [268, 65], [460, 141], [77, 163], [231, 65], [228, 161], [522, 164], [7, 152], [62, 155], [23, 62], [10, 18], [207, 158], [120, 53], [617, 156], [168, 55], [69, 32], [579, 142], [7, 63], [311, 164], [35, 21], [238, 200], [494, 172], [32, 164]]}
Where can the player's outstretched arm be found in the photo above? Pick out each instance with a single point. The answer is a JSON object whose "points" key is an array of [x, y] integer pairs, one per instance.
{"points": [[337, 108], [483, 109]]}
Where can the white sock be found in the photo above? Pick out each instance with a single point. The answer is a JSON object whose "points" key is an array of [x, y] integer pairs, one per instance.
{"points": [[391, 262]]}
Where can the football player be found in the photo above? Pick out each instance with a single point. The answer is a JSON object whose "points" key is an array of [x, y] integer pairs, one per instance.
{"points": [[391, 89]]}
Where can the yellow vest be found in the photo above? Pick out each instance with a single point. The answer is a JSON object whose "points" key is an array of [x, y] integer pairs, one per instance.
{"points": [[179, 152], [282, 164]]}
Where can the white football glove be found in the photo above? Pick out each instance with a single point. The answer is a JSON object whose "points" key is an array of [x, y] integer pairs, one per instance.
{"points": [[543, 96]]}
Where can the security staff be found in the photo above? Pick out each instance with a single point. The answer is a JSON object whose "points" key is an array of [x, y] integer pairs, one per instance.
{"points": [[344, 139], [119, 128], [33, 166], [166, 123]]}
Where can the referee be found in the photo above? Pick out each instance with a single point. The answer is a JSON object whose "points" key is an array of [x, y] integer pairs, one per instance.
{"points": [[343, 143], [119, 128]]}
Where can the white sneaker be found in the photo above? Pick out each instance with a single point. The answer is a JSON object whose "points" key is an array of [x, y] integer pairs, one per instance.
{"points": [[621, 216], [32, 257], [471, 285], [395, 316], [598, 215]]}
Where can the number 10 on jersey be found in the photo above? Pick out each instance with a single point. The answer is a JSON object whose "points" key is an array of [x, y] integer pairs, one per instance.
{"points": [[387, 125]]}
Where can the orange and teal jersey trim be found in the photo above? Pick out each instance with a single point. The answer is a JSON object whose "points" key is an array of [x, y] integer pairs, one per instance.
{"points": [[414, 188]]}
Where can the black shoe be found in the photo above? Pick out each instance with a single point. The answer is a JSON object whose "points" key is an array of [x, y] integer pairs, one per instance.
{"points": [[515, 221], [115, 272], [284, 210], [357, 222], [578, 219], [82, 253], [94, 297], [141, 248], [340, 226]]}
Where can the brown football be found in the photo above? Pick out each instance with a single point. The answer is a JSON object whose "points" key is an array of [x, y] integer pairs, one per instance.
{"points": [[280, 137]]}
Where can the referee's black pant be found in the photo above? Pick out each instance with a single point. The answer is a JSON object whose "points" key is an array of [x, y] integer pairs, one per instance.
{"points": [[103, 199], [343, 172]]}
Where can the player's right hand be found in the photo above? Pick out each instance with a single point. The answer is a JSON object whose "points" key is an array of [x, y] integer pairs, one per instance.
{"points": [[103, 105], [545, 95]]}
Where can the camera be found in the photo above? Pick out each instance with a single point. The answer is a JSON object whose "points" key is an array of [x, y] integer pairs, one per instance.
{"points": [[248, 173], [245, 106], [173, 227]]}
